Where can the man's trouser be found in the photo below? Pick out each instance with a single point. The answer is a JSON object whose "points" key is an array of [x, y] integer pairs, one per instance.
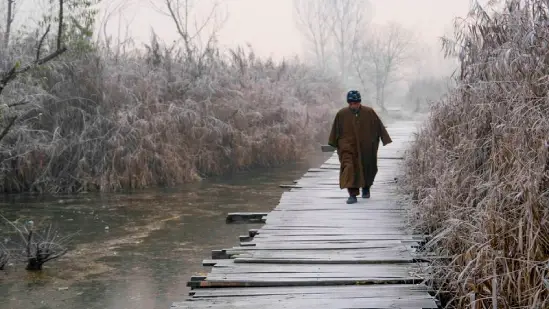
{"points": [[355, 191]]}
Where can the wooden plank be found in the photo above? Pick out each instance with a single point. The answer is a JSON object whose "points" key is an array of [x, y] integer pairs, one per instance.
{"points": [[370, 253], [218, 263], [290, 186], [327, 148], [316, 251], [337, 208], [341, 278], [247, 217], [335, 251], [209, 263], [357, 214], [274, 243], [403, 269], [219, 255], [318, 303], [282, 238], [245, 281], [331, 230], [337, 227], [366, 291], [245, 238], [265, 244], [339, 222], [315, 203], [327, 259], [322, 185], [320, 246]]}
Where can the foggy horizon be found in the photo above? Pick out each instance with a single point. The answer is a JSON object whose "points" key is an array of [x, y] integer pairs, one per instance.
{"points": [[269, 27]]}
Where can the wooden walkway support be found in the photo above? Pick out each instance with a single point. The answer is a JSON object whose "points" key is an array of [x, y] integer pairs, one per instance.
{"points": [[315, 251]]}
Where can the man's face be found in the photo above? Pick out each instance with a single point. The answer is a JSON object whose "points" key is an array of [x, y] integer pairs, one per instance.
{"points": [[354, 105]]}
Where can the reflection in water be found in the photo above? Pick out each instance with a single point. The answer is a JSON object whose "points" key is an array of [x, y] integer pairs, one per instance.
{"points": [[137, 250]]}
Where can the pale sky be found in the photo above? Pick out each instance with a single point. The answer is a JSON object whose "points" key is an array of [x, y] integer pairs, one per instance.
{"points": [[269, 26]]}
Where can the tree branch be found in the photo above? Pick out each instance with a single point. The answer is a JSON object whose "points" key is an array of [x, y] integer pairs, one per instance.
{"points": [[10, 75], [60, 26], [7, 128], [9, 22], [38, 50], [54, 256]]}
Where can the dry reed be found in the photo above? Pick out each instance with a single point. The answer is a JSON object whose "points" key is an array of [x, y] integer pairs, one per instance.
{"points": [[479, 169], [101, 122]]}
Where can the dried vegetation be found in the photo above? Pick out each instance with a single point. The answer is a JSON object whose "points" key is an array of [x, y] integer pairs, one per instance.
{"points": [[99, 121], [479, 169], [36, 247]]}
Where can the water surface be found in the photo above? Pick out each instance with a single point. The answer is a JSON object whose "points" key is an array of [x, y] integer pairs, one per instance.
{"points": [[137, 250]]}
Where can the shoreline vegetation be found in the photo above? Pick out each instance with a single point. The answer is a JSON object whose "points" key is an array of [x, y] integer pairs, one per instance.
{"points": [[106, 115], [478, 171], [102, 122]]}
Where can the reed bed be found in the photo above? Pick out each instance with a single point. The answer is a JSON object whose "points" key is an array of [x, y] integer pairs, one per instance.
{"points": [[479, 168], [98, 121]]}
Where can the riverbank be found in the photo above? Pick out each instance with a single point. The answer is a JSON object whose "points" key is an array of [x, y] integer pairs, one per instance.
{"points": [[156, 239], [479, 170], [103, 122]]}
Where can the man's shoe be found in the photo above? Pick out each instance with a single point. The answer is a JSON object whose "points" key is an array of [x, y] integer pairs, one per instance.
{"points": [[351, 200], [365, 192]]}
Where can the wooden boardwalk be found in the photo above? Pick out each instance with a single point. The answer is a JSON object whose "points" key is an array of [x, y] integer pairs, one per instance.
{"points": [[315, 251]]}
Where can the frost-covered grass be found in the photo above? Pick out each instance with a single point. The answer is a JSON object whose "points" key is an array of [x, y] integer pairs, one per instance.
{"points": [[95, 121], [479, 169]]}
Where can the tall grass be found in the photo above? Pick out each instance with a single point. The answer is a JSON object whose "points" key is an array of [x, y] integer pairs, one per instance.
{"points": [[100, 121], [479, 169]]}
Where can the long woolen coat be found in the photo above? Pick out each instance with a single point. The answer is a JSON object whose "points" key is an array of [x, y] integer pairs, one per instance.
{"points": [[356, 135]]}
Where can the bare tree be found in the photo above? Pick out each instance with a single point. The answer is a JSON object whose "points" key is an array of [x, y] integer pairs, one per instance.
{"points": [[10, 13], [333, 27], [18, 68], [314, 21], [192, 30], [348, 21], [424, 90], [115, 9], [379, 58]]}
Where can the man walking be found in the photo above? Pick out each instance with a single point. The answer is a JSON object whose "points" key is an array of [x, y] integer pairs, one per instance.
{"points": [[355, 134]]}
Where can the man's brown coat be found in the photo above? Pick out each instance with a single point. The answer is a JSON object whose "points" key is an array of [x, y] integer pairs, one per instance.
{"points": [[356, 135]]}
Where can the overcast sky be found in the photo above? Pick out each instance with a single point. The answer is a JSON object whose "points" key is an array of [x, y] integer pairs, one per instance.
{"points": [[269, 26]]}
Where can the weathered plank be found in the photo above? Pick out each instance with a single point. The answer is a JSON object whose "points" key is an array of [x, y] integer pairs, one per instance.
{"points": [[343, 238], [319, 246], [312, 228], [249, 281], [400, 253], [327, 148], [290, 186], [318, 303], [273, 243], [316, 251], [366, 291], [357, 269], [245, 217]]}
